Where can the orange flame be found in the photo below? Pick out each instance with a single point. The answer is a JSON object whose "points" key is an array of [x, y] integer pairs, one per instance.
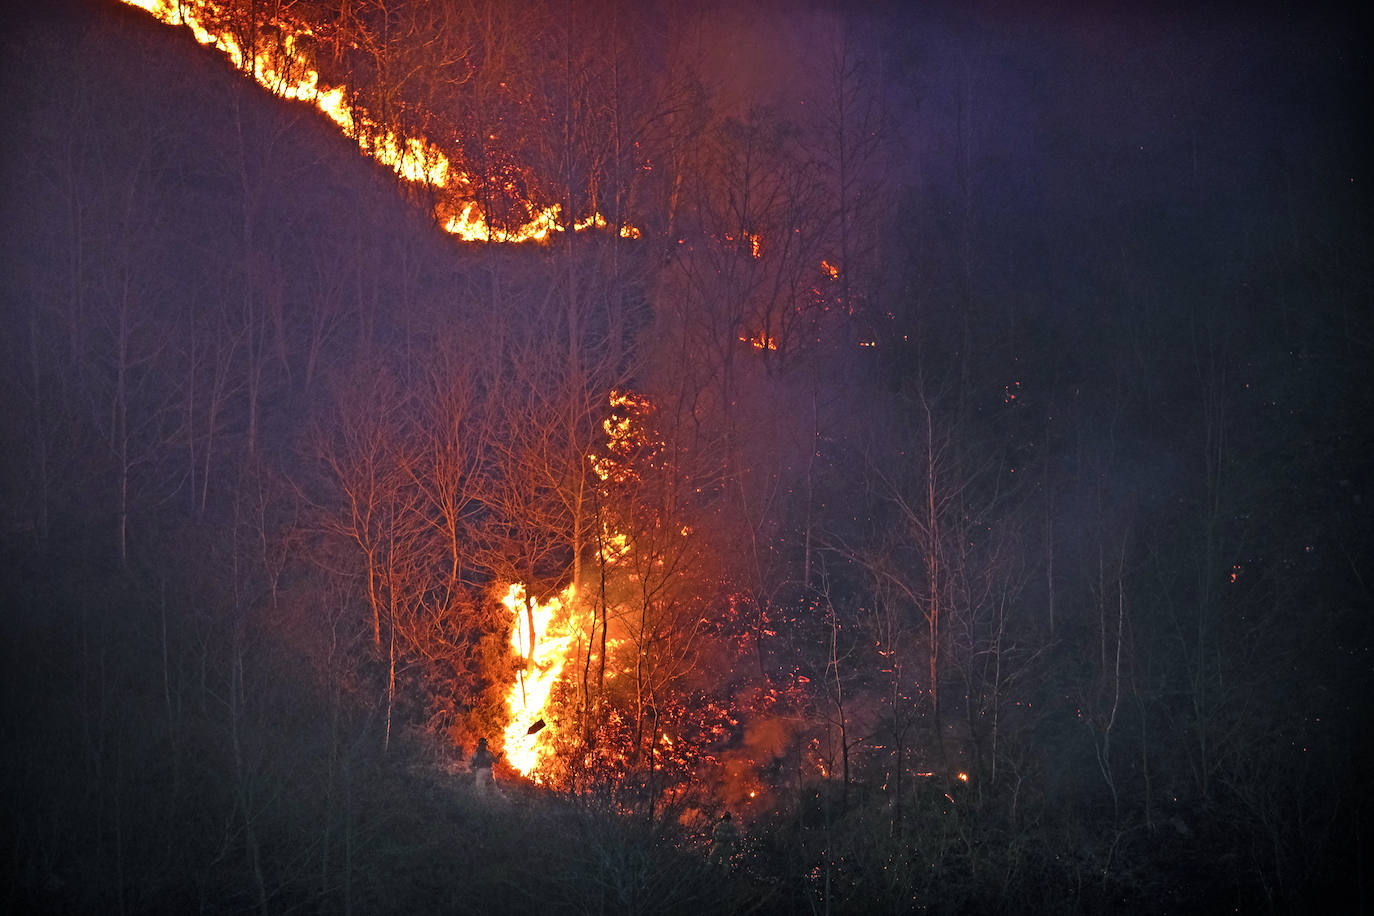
{"points": [[555, 626], [285, 70], [755, 243], [559, 621], [761, 341]]}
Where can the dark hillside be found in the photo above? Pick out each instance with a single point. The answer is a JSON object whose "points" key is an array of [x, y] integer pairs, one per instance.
{"points": [[146, 179]]}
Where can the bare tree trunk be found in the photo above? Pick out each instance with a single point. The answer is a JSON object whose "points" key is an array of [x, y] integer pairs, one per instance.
{"points": [[1049, 530], [833, 665], [934, 573], [40, 430], [244, 792]]}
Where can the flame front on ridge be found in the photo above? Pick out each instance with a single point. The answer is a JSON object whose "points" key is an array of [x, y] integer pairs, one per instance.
{"points": [[284, 69]]}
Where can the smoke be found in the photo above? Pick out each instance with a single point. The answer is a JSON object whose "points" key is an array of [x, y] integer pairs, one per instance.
{"points": [[765, 743], [759, 56]]}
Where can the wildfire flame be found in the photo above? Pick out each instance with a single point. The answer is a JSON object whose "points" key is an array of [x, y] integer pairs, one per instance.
{"points": [[761, 341], [561, 619], [755, 243], [284, 69], [624, 437], [542, 655]]}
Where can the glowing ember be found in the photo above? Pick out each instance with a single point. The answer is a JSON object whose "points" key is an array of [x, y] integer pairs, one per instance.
{"points": [[528, 698], [625, 437], [753, 240], [761, 341]]}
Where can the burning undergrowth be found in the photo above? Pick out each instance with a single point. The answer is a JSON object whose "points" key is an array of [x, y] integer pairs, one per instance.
{"points": [[682, 742]]}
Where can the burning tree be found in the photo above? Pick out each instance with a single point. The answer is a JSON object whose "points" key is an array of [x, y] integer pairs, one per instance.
{"points": [[625, 641]]}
